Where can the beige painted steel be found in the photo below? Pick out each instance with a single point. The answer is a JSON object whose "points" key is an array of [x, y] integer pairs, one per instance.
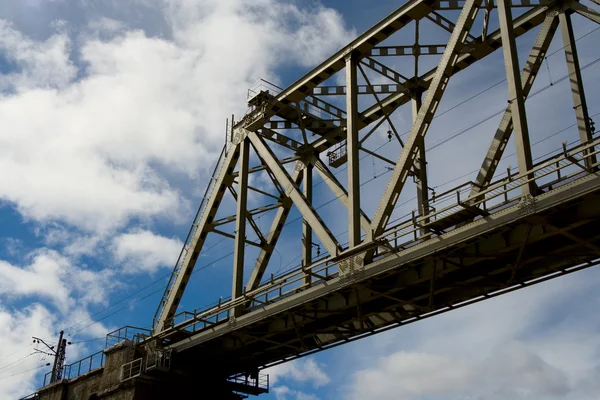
{"points": [[576, 81], [338, 190], [515, 93], [505, 128], [545, 201], [307, 239], [237, 280], [586, 12], [294, 193], [353, 144], [424, 117], [224, 177]]}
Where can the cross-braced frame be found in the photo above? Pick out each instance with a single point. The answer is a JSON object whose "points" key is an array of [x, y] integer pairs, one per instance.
{"points": [[297, 126]]}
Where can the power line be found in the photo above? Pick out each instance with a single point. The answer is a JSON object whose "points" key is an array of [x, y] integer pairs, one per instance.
{"points": [[16, 351], [336, 173], [23, 372], [150, 294], [20, 360], [112, 305]]}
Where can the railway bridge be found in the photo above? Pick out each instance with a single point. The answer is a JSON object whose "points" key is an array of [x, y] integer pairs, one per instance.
{"points": [[492, 234]]}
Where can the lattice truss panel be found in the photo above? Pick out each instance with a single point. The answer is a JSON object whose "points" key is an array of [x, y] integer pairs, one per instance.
{"points": [[324, 124]]}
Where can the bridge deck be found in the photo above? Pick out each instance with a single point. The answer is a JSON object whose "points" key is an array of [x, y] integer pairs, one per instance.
{"points": [[468, 256]]}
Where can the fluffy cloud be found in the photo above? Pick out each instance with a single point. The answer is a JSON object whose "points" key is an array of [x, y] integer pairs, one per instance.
{"points": [[285, 393], [107, 124], [18, 366], [51, 276], [141, 250], [300, 371], [91, 143], [521, 346]]}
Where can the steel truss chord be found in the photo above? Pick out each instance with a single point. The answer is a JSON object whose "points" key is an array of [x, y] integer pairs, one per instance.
{"points": [[183, 273], [505, 128], [476, 50], [586, 12], [458, 4], [423, 120]]}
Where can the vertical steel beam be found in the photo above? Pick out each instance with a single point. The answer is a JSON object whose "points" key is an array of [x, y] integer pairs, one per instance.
{"points": [[579, 102], [421, 165], [353, 146], [306, 229], [237, 283], [433, 97], [505, 128], [515, 95]]}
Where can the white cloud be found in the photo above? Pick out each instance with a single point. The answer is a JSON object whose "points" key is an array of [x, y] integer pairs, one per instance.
{"points": [[43, 64], [18, 367], [141, 250], [103, 125], [90, 144], [300, 371], [285, 393], [52, 276], [532, 344]]}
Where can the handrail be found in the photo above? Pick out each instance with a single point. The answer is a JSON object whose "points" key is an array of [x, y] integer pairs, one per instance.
{"points": [[325, 269]]}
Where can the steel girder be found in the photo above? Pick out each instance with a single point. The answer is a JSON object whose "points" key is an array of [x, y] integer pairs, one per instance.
{"points": [[424, 117], [293, 107]]}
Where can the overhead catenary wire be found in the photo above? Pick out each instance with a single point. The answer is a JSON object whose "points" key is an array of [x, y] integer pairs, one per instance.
{"points": [[16, 362], [23, 372], [336, 173], [16, 351]]}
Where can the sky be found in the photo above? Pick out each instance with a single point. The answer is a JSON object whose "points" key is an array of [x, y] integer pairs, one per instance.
{"points": [[112, 115]]}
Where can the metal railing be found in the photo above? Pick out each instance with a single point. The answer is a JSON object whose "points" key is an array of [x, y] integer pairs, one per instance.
{"points": [[158, 359], [135, 334], [132, 369], [260, 381], [83, 366], [547, 175]]}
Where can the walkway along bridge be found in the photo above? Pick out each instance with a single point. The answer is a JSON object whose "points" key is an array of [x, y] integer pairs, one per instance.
{"points": [[486, 237]]}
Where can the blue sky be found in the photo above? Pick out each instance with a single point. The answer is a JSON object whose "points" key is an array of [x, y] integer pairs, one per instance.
{"points": [[112, 116]]}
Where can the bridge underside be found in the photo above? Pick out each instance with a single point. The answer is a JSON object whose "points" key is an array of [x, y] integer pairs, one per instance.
{"points": [[522, 244]]}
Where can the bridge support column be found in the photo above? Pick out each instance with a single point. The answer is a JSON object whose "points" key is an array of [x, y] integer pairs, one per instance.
{"points": [[306, 229], [421, 165], [579, 101], [240, 229], [353, 145], [515, 95]]}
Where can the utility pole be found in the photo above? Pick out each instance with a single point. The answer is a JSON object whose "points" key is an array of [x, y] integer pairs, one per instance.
{"points": [[59, 356]]}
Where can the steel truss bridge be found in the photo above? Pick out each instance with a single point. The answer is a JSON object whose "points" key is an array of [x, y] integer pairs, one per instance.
{"points": [[491, 235]]}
